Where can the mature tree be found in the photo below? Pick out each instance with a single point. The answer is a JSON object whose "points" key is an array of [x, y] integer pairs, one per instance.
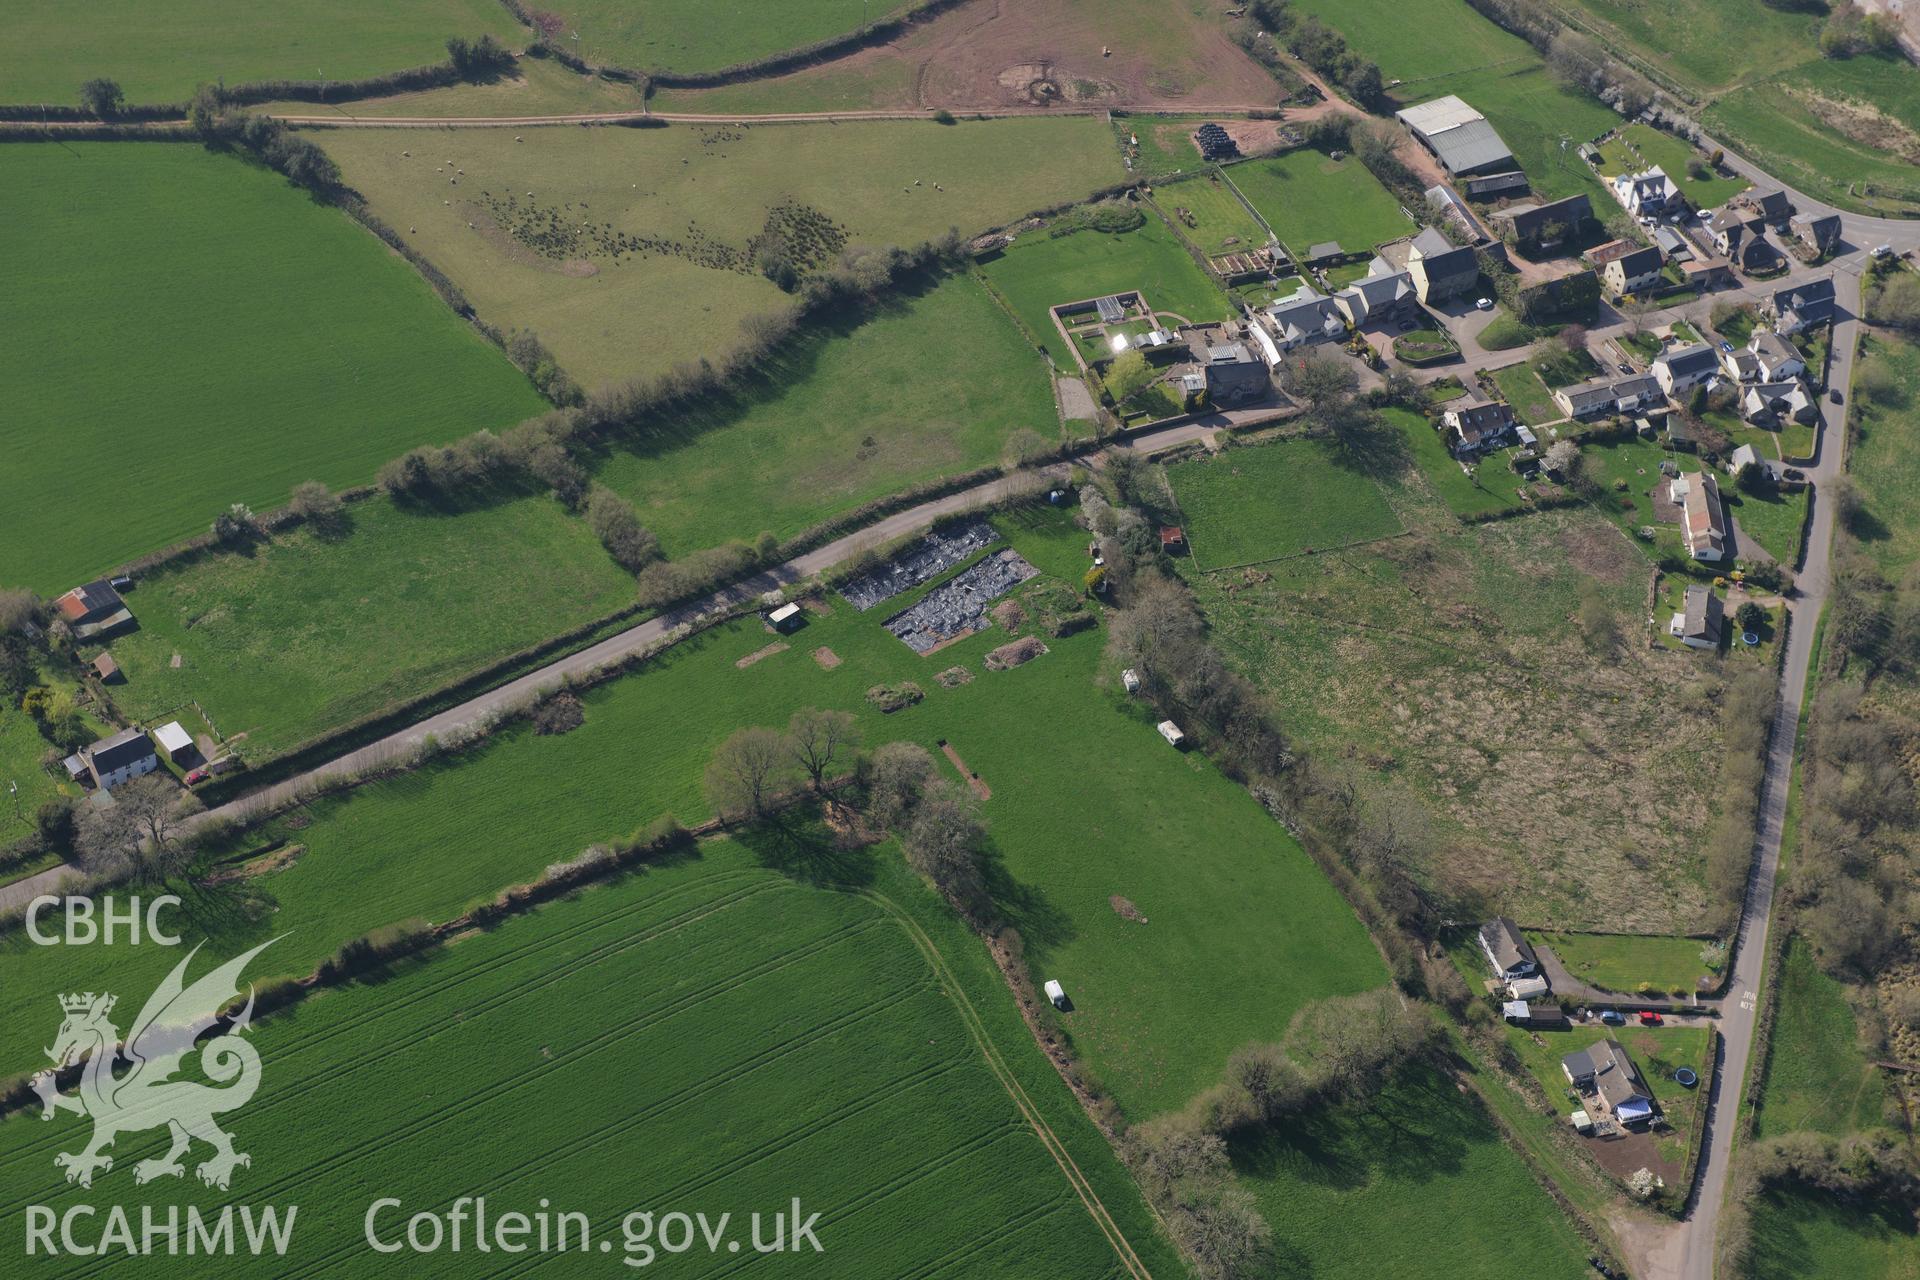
{"points": [[236, 524], [944, 843], [155, 806], [314, 502], [18, 607], [54, 823], [1320, 382], [1127, 376], [1563, 456], [1753, 478], [108, 841], [820, 740], [747, 772], [102, 97], [1896, 301], [1159, 630], [614, 521], [479, 59], [1355, 1042], [1221, 1229], [1751, 616], [1271, 1082], [897, 775]]}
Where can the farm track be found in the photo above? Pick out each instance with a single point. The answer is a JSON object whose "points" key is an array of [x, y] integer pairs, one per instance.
{"points": [[1055, 1148]]}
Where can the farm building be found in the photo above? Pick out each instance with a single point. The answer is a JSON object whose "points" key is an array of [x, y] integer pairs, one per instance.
{"points": [[1698, 623], [1458, 136], [93, 609], [1604, 1071], [174, 740], [1510, 954], [109, 762]]}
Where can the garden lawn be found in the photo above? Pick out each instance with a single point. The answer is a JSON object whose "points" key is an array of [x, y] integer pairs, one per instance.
{"points": [[1040, 271], [1307, 198], [1399, 1186], [1624, 962], [1884, 466], [1221, 224], [1775, 520], [159, 53], [1817, 1077], [1443, 46], [1262, 503], [701, 35], [1641, 146], [1490, 489], [308, 633], [169, 354], [1792, 125], [685, 186], [1521, 387], [933, 385], [1243, 927], [712, 1024], [22, 747]]}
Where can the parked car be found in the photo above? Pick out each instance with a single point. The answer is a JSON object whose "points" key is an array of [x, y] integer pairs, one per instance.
{"points": [[1727, 347], [198, 776], [120, 583], [1651, 1019], [1625, 367], [1483, 304], [1613, 1017], [1793, 473], [1835, 396]]}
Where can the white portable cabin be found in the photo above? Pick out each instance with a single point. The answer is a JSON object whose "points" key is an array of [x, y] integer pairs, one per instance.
{"points": [[1056, 993], [1526, 988], [1171, 732], [785, 618], [1131, 679]]}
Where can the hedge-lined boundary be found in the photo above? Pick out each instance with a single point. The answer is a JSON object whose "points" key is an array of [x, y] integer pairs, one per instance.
{"points": [[827, 50]]}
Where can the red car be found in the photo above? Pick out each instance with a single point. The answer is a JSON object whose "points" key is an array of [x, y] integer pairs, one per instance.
{"points": [[1650, 1019], [198, 776]]}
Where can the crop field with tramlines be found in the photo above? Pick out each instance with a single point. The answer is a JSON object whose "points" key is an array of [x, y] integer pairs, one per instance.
{"points": [[709, 1036]]}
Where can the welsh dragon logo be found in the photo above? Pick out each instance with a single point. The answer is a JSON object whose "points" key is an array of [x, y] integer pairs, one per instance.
{"points": [[144, 1095]]}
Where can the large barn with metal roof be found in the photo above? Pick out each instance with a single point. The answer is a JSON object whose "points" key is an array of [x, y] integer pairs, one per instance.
{"points": [[1459, 137]]}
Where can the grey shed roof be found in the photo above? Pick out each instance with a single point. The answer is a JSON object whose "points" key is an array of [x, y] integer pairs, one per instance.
{"points": [[1703, 612], [1458, 134]]}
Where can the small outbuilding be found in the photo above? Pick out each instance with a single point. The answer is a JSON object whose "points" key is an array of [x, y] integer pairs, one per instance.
{"points": [[106, 668], [786, 618], [1527, 988], [1057, 994], [174, 740], [1171, 732], [1131, 679]]}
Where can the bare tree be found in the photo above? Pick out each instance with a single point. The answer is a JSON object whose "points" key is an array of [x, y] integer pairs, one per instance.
{"points": [[746, 773], [108, 841], [819, 739], [899, 773], [1563, 456], [18, 606], [1354, 1042], [1320, 382], [943, 842], [155, 806]]}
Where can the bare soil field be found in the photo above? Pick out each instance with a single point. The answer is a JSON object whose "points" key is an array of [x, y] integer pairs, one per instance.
{"points": [[1035, 53]]}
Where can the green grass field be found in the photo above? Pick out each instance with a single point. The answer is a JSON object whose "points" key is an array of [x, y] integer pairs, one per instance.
{"points": [[1249, 505], [1883, 467], [1621, 962], [1774, 520], [689, 187], [1845, 131], [1040, 271], [1521, 387], [538, 86], [1439, 47], [159, 53], [308, 633], [933, 385], [1220, 222], [695, 35], [171, 354], [731, 1035], [1243, 927], [1399, 1187], [1490, 488], [1810, 1237], [1705, 46], [1640, 146], [1307, 198], [1817, 1077]]}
